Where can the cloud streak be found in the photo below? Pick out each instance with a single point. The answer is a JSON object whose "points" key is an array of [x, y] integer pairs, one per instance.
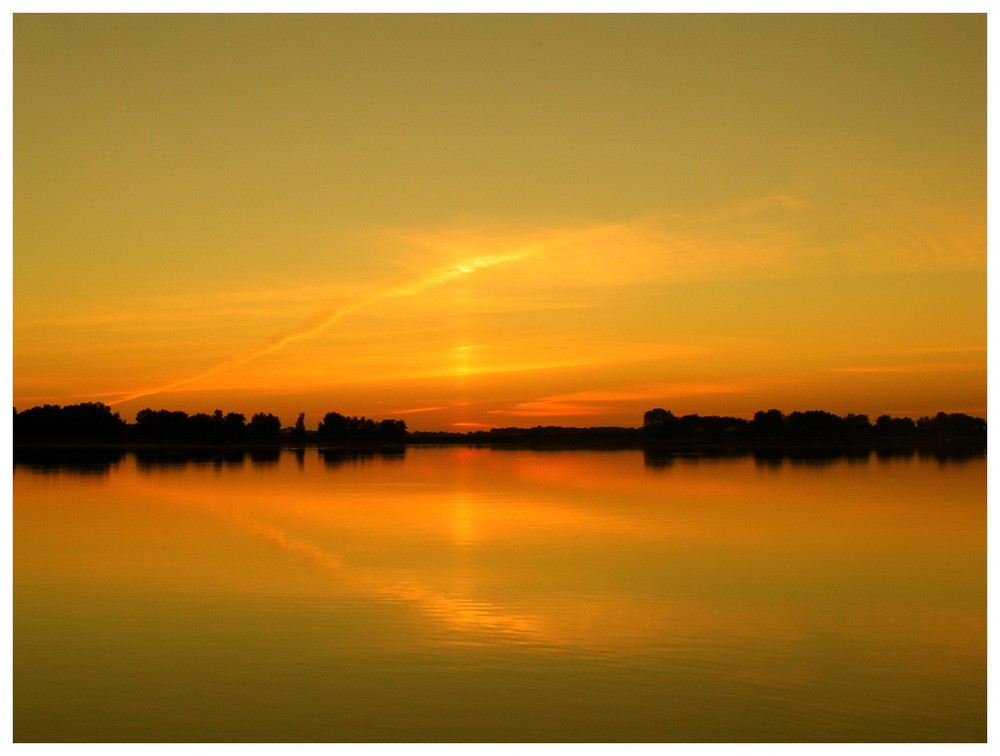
{"points": [[435, 277], [607, 401], [763, 236], [929, 367]]}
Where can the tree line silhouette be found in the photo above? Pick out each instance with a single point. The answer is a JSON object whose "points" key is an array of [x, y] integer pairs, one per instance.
{"points": [[771, 428], [337, 427], [814, 426], [95, 422]]}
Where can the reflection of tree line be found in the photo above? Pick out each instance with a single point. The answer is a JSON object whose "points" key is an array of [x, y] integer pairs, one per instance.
{"points": [[100, 460], [337, 457], [97, 460], [89, 460], [665, 457]]}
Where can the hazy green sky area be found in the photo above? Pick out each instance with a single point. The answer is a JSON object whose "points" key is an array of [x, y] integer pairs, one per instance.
{"points": [[492, 220]]}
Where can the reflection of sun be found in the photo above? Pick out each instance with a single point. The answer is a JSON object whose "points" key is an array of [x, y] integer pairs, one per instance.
{"points": [[464, 526]]}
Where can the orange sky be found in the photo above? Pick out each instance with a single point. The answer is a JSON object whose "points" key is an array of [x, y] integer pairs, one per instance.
{"points": [[477, 221]]}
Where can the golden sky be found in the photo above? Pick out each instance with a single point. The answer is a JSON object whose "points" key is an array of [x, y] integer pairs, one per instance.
{"points": [[477, 221]]}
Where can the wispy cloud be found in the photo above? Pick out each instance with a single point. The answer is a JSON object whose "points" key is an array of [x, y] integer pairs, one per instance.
{"points": [[747, 206], [411, 411], [610, 400], [777, 234], [606, 401], [154, 312], [652, 391], [927, 367], [539, 266], [546, 408], [938, 350], [325, 320]]}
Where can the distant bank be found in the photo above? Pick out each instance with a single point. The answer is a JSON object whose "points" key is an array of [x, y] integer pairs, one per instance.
{"points": [[95, 424]]}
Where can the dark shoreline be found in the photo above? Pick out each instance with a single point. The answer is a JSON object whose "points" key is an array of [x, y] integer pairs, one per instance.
{"points": [[679, 446], [94, 425]]}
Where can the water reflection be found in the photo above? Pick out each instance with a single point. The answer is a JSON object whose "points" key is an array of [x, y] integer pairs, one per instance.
{"points": [[153, 459], [776, 457], [945, 456], [95, 461], [99, 460], [891, 455], [337, 457], [663, 458], [472, 594], [942, 455], [812, 457], [265, 456]]}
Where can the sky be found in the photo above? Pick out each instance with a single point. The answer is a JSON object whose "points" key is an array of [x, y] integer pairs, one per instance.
{"points": [[475, 221]]}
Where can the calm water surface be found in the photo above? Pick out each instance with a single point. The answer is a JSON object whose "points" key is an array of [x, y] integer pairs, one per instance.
{"points": [[463, 594]]}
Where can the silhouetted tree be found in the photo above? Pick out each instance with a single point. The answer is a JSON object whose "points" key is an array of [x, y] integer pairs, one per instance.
{"points": [[814, 424], [658, 416], [659, 422], [234, 426], [332, 426], [770, 423], [161, 424], [857, 426], [263, 427], [946, 427], [361, 429], [340, 429], [202, 427], [894, 427], [300, 427], [392, 430]]}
